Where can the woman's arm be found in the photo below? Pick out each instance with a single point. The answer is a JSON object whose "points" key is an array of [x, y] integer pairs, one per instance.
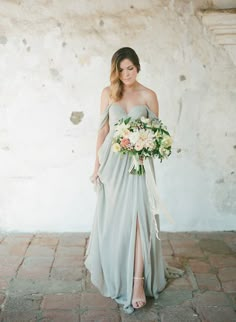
{"points": [[102, 132]]}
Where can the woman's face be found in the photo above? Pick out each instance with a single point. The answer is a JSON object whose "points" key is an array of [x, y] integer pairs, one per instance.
{"points": [[128, 72]]}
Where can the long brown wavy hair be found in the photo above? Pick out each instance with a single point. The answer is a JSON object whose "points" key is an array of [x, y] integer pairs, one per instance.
{"points": [[116, 85]]}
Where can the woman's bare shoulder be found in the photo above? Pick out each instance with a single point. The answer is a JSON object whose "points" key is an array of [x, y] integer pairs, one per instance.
{"points": [[148, 93], [106, 91], [151, 100], [105, 98]]}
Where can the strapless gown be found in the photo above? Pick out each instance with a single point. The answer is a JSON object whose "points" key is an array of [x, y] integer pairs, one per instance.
{"points": [[120, 199]]}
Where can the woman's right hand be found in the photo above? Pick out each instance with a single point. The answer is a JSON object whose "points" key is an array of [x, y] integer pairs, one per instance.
{"points": [[94, 176]]}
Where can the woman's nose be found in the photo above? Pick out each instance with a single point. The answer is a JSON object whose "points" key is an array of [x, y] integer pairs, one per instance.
{"points": [[126, 73]]}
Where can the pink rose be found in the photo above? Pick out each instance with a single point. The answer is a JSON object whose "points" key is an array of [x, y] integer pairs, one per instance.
{"points": [[139, 145], [124, 142]]}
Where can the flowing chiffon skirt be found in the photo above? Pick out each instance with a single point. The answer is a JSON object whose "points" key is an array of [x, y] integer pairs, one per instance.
{"points": [[121, 198]]}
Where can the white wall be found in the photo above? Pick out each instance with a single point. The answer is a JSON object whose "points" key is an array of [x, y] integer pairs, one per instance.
{"points": [[55, 59]]}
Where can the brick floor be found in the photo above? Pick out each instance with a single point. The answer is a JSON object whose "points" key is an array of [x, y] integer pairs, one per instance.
{"points": [[43, 278]]}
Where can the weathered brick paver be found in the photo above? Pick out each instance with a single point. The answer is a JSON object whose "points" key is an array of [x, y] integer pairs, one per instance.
{"points": [[199, 266], [43, 278], [208, 281], [61, 301], [97, 300], [60, 316]]}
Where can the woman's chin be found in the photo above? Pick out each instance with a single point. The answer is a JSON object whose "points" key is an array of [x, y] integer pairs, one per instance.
{"points": [[129, 82]]}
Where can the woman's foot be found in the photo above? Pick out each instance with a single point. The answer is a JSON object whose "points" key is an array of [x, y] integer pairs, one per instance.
{"points": [[139, 298]]}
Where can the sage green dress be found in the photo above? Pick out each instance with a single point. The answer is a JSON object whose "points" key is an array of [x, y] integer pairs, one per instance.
{"points": [[120, 199]]}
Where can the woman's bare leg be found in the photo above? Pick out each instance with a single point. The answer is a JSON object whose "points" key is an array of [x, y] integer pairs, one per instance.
{"points": [[138, 291]]}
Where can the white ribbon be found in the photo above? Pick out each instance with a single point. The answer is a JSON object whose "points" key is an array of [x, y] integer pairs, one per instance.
{"points": [[154, 200], [134, 164]]}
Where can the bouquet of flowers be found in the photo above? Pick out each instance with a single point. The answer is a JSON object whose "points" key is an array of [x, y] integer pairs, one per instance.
{"points": [[141, 138]]}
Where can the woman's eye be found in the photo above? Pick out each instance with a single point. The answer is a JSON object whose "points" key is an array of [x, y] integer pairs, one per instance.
{"points": [[131, 68]]}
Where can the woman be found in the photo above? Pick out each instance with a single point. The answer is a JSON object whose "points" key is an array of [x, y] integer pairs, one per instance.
{"points": [[123, 255]]}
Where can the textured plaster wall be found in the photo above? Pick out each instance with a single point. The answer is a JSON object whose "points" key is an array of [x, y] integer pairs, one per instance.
{"points": [[54, 62]]}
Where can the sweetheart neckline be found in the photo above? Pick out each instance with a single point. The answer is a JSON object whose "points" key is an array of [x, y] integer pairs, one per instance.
{"points": [[134, 107]]}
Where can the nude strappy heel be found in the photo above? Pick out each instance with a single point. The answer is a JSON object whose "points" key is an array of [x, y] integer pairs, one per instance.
{"points": [[138, 299]]}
